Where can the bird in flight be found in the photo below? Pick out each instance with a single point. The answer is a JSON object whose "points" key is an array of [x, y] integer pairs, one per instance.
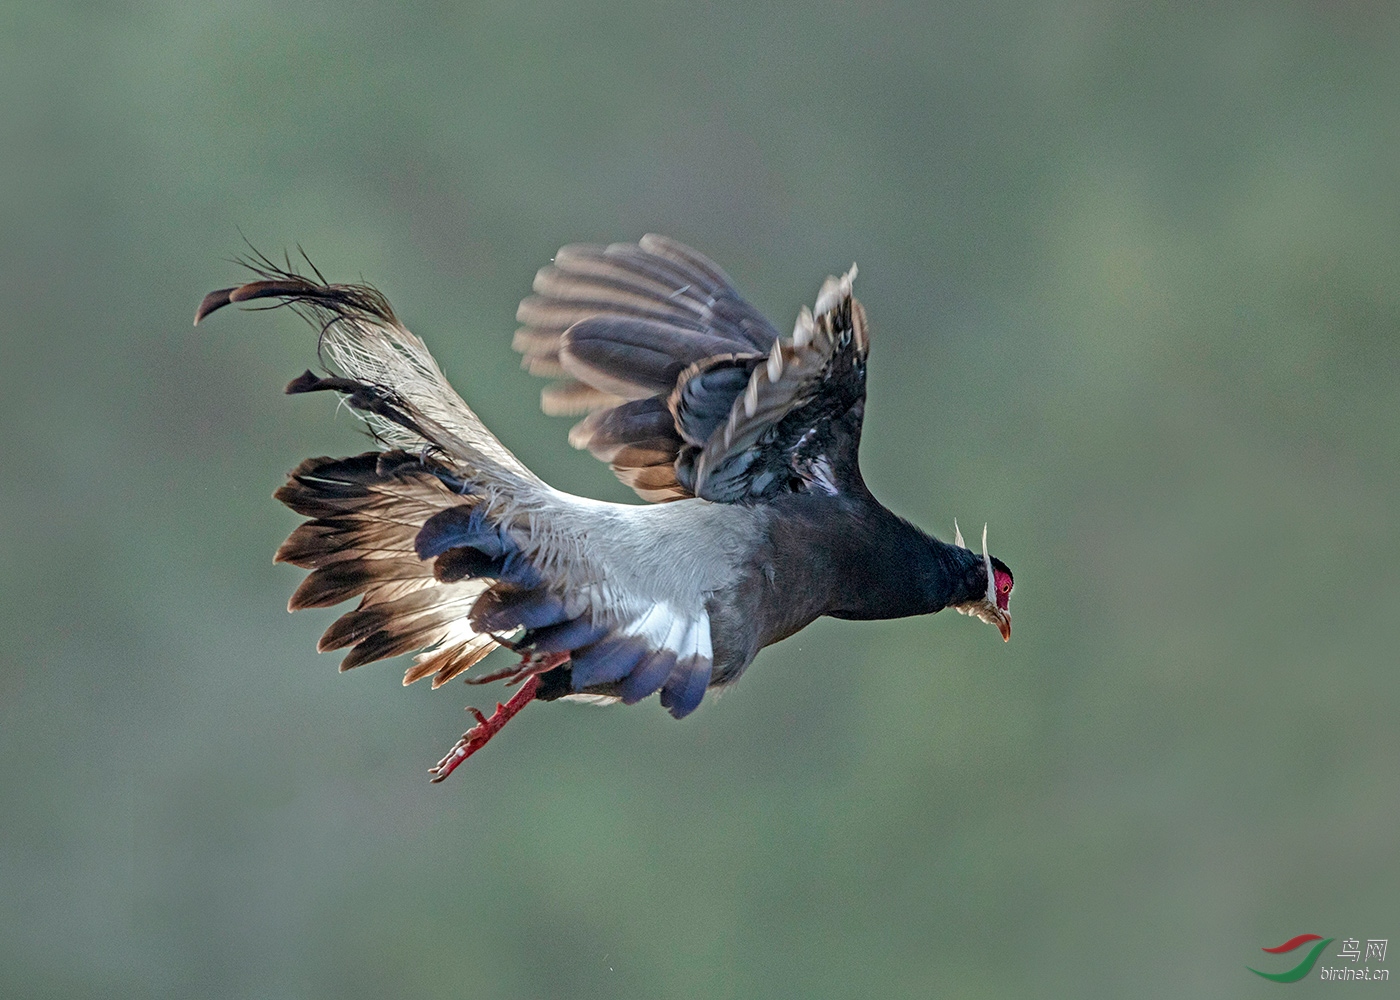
{"points": [[744, 441]]}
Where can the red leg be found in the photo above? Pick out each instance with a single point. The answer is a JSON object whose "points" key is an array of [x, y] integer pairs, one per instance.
{"points": [[480, 734], [530, 668]]}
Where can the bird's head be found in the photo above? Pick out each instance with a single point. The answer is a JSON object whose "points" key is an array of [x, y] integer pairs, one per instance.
{"points": [[992, 605]]}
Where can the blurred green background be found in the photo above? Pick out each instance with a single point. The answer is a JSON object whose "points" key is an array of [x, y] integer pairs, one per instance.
{"points": [[1134, 282]]}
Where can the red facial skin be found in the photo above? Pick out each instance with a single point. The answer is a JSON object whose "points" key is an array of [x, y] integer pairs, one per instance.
{"points": [[1004, 583]]}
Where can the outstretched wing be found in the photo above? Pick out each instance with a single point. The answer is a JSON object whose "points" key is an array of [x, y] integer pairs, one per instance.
{"points": [[366, 512], [689, 390], [385, 371]]}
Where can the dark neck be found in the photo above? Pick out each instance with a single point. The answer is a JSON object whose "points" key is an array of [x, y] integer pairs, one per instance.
{"points": [[874, 564], [909, 572]]}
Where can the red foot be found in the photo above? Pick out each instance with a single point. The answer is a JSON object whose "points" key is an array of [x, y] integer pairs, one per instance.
{"points": [[529, 668], [530, 663], [480, 734]]}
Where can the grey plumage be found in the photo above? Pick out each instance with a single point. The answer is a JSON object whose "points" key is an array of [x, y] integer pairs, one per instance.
{"points": [[634, 358]]}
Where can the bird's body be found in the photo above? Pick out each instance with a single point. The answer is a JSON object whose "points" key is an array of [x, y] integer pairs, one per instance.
{"points": [[750, 440]]}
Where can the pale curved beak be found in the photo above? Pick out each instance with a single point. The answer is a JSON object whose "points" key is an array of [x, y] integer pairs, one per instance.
{"points": [[1004, 623]]}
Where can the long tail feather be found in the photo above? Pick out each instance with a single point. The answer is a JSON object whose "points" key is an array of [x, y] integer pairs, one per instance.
{"points": [[386, 373]]}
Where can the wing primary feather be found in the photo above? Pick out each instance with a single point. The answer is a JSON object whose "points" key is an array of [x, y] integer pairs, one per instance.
{"points": [[627, 322]]}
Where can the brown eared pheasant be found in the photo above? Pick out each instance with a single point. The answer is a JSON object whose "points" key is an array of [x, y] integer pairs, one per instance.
{"points": [[745, 442]]}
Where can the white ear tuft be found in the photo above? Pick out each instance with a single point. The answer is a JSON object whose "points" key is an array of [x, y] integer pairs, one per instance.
{"points": [[991, 577], [957, 535]]}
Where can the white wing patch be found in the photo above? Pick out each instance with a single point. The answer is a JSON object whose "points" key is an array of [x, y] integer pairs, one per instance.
{"points": [[663, 627]]}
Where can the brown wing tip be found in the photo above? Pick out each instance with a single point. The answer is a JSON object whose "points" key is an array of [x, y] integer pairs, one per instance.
{"points": [[293, 287], [219, 298], [307, 381], [215, 300]]}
